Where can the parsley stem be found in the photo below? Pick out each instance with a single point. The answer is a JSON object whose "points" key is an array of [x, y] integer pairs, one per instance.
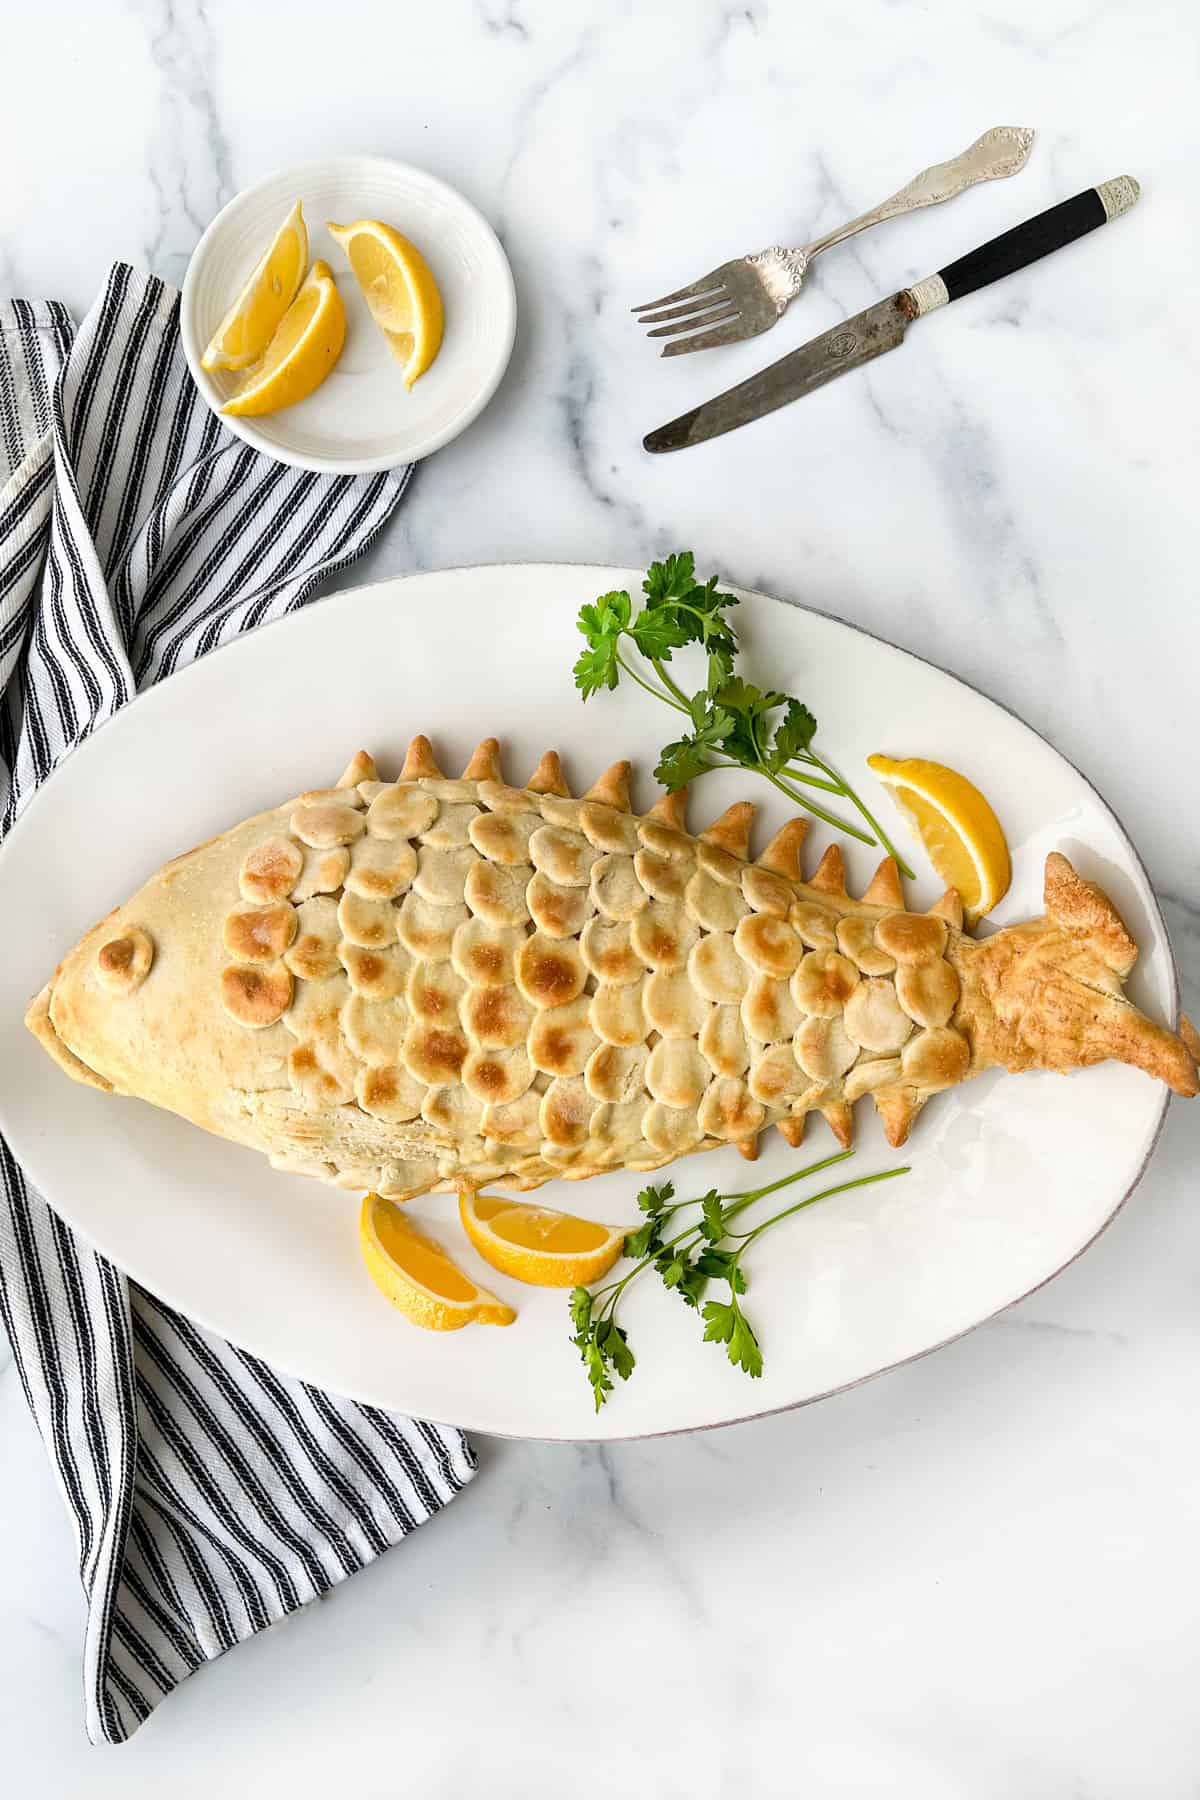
{"points": [[667, 682], [657, 693], [742, 1201], [831, 787], [869, 816], [748, 1237], [808, 805], [818, 812], [748, 1197]]}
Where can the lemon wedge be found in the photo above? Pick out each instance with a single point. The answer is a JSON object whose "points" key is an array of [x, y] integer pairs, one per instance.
{"points": [[399, 289], [963, 838], [413, 1271], [251, 322], [534, 1244], [301, 353]]}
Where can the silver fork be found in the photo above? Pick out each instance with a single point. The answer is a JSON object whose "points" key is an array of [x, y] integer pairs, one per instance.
{"points": [[747, 295]]}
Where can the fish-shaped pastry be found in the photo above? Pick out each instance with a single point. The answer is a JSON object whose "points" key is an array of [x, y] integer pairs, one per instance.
{"points": [[434, 983]]}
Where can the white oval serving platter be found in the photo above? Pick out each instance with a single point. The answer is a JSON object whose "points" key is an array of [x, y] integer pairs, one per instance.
{"points": [[1012, 1176]]}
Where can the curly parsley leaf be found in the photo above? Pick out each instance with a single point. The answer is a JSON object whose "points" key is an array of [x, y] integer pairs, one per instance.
{"points": [[722, 1265], [645, 1241], [656, 1199], [580, 1304], [602, 624], [657, 633], [688, 757], [671, 1267], [712, 1217], [726, 1323], [793, 735], [614, 1347], [671, 579]]}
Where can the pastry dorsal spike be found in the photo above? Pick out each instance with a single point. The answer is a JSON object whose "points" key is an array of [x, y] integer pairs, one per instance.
{"points": [[884, 887], [897, 1107], [671, 810], [361, 767], [548, 777], [1080, 907], [420, 761], [485, 762], [792, 1130], [749, 1148], [829, 876], [950, 908], [782, 854], [732, 830], [840, 1119], [612, 789]]}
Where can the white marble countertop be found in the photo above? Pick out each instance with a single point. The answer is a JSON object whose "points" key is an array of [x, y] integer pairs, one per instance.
{"points": [[977, 1577]]}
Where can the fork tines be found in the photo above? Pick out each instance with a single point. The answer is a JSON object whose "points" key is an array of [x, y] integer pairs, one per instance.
{"points": [[718, 309]]}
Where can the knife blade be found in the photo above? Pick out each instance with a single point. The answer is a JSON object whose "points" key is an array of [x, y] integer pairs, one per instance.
{"points": [[882, 326], [847, 346]]}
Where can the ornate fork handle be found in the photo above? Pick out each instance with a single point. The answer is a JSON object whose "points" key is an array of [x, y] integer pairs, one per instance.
{"points": [[999, 152]]}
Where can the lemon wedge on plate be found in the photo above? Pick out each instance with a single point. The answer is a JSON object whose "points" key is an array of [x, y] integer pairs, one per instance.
{"points": [[963, 838], [399, 289], [537, 1245], [413, 1271], [251, 322], [301, 353]]}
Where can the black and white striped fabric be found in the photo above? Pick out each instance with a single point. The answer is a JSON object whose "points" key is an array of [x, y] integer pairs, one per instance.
{"points": [[209, 1495]]}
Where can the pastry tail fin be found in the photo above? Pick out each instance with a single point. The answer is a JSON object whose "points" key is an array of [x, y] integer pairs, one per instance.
{"points": [[1049, 993]]}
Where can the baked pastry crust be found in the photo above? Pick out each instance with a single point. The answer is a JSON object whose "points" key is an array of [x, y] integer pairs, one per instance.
{"points": [[436, 983]]}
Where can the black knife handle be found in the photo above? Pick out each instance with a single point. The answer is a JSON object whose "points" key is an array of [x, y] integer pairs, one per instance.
{"points": [[1026, 243]]}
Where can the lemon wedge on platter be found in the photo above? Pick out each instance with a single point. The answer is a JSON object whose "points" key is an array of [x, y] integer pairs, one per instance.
{"points": [[537, 1245], [962, 836], [413, 1271]]}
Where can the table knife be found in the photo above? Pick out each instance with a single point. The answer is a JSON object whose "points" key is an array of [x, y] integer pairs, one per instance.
{"points": [[882, 326]]}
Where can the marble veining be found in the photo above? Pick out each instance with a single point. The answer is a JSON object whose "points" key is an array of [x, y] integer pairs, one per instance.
{"points": [[189, 165], [975, 1578]]}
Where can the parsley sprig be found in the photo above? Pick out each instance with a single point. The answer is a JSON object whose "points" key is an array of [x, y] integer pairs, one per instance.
{"points": [[708, 1249], [731, 723]]}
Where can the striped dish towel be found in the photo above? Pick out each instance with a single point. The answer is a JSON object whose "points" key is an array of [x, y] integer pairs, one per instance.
{"points": [[209, 1495]]}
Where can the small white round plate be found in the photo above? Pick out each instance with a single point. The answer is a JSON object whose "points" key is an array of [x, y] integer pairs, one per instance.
{"points": [[1012, 1176], [362, 417]]}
